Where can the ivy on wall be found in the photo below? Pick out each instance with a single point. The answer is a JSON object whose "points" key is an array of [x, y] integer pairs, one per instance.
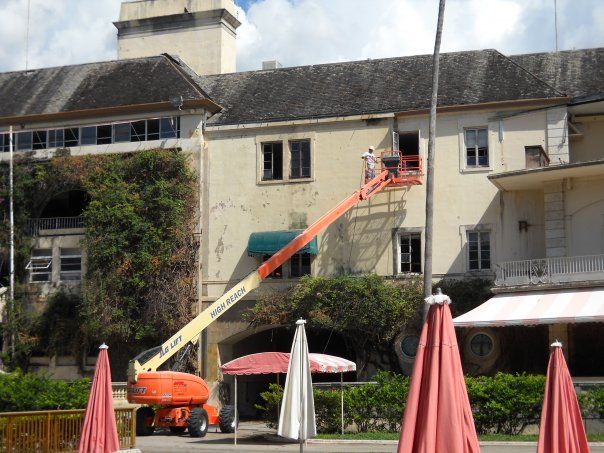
{"points": [[139, 241]]}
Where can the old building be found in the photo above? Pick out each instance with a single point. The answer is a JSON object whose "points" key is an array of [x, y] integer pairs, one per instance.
{"points": [[519, 173]]}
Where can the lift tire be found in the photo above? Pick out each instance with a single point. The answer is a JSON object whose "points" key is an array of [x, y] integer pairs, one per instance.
{"points": [[226, 419], [178, 429], [197, 424], [145, 417]]}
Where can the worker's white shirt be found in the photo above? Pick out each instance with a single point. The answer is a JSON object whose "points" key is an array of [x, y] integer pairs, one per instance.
{"points": [[370, 158]]}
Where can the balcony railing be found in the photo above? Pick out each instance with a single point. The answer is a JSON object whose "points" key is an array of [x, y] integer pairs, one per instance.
{"points": [[54, 223], [550, 270]]}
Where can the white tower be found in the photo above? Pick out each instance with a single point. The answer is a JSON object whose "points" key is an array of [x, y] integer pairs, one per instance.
{"points": [[200, 32]]}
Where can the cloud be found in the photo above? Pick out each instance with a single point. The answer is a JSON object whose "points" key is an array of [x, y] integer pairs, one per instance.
{"points": [[299, 32]]}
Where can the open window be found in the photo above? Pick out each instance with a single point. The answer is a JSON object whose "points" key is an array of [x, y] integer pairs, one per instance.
{"points": [[408, 143], [410, 253], [272, 161], [277, 273], [40, 265], [300, 265]]}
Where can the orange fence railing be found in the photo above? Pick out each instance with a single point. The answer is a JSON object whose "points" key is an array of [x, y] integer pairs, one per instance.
{"points": [[56, 431]]}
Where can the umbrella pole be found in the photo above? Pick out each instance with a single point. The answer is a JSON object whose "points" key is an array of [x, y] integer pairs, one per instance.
{"points": [[236, 414], [342, 399]]}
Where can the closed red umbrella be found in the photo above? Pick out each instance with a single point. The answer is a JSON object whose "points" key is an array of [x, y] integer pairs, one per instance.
{"points": [[561, 429], [438, 417], [99, 433]]}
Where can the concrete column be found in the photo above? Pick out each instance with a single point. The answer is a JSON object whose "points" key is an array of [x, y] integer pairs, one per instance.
{"points": [[557, 136], [555, 229]]}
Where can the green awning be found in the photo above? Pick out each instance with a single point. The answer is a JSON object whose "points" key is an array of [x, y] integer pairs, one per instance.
{"points": [[269, 242]]}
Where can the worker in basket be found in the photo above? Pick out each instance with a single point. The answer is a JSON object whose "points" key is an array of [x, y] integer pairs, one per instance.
{"points": [[370, 159]]}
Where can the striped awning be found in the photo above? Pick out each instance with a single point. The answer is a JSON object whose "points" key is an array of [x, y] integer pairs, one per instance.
{"points": [[277, 362], [537, 307]]}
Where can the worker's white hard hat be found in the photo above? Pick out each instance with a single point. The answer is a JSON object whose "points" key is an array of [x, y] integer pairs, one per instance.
{"points": [[372, 148]]}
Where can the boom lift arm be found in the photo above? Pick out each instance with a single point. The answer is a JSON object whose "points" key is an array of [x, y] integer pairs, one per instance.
{"points": [[151, 360]]}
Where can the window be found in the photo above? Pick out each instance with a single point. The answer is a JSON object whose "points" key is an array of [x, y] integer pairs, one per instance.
{"points": [[89, 135], [39, 140], [477, 147], [56, 138], [104, 134], [24, 141], [272, 161], [5, 143], [169, 127], [72, 136], [479, 250], [137, 131], [121, 132], [410, 253], [277, 273], [71, 264], [153, 129], [409, 345], [40, 265], [300, 159], [300, 265], [481, 345]]}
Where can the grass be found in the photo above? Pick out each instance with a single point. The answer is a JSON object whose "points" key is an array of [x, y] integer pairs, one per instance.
{"points": [[381, 435]]}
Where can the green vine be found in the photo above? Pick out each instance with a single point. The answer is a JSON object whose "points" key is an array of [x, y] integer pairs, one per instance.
{"points": [[139, 241]]}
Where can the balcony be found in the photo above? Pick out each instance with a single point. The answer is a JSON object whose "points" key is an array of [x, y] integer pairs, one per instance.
{"points": [[559, 271], [34, 226]]}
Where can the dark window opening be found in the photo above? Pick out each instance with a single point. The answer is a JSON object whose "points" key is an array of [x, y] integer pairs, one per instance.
{"points": [[153, 129], [104, 134], [39, 140], [300, 159], [24, 140], [410, 253], [5, 143], [66, 204], [272, 161], [137, 132], [408, 143], [300, 265], [277, 273], [72, 136], [71, 264]]}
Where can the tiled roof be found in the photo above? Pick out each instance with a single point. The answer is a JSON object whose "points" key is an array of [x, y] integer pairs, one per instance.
{"points": [[370, 86], [574, 72], [90, 86]]}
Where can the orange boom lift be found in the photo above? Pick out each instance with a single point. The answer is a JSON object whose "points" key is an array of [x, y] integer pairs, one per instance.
{"points": [[183, 397]]}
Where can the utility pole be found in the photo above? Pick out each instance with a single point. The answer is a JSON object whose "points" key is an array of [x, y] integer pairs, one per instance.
{"points": [[556, 22], [429, 232], [11, 288]]}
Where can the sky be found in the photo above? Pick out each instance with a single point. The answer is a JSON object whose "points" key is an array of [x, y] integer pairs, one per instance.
{"points": [[301, 32]]}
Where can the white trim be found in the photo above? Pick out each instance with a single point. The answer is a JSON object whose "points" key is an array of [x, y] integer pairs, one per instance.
{"points": [[396, 236], [475, 122]]}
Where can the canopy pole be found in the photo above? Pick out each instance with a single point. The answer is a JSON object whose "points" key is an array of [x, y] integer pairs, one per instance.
{"points": [[342, 398], [236, 413]]}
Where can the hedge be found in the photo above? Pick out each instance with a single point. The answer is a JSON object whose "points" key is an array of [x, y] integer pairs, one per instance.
{"points": [[501, 404], [33, 392]]}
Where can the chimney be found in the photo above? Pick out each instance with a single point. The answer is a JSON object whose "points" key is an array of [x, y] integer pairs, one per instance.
{"points": [[271, 64], [201, 32]]}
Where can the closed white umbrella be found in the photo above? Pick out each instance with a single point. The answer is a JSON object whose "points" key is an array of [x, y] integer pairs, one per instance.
{"points": [[297, 417]]}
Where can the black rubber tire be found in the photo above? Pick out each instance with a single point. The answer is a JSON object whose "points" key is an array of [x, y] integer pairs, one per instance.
{"points": [[197, 424], [226, 419], [145, 417], [178, 429]]}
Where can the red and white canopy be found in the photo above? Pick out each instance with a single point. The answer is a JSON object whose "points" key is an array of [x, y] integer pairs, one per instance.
{"points": [[537, 307], [277, 362]]}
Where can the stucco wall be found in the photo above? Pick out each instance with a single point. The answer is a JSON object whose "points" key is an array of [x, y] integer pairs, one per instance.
{"points": [[585, 216], [591, 145]]}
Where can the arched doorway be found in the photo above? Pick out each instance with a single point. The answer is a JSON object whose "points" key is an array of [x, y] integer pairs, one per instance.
{"points": [[278, 339]]}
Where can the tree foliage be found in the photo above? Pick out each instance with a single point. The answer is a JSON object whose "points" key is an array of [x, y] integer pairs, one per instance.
{"points": [[367, 311]]}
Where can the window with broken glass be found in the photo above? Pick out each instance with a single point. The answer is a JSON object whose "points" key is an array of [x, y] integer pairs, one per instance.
{"points": [[477, 148], [410, 253], [300, 159], [272, 161], [479, 250]]}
